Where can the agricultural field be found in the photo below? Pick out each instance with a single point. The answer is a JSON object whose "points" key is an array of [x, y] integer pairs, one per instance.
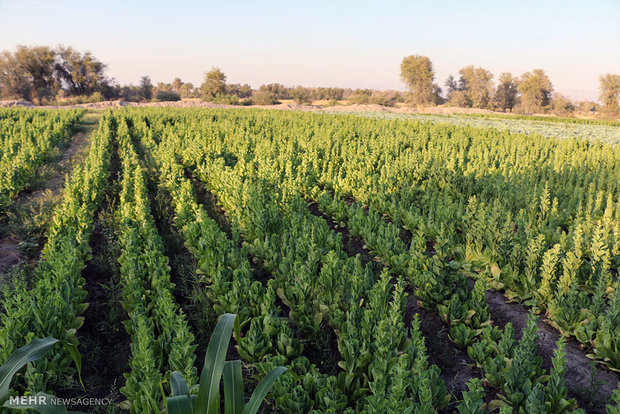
{"points": [[561, 128], [415, 264]]}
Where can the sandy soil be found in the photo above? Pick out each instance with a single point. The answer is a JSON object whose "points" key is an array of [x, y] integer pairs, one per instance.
{"points": [[288, 105]]}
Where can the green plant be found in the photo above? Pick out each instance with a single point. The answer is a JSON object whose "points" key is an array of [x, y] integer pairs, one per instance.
{"points": [[616, 399], [20, 357], [208, 399], [473, 398]]}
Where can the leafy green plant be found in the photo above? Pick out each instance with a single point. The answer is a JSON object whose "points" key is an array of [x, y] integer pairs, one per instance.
{"points": [[473, 398], [208, 399], [616, 399], [555, 388], [20, 357]]}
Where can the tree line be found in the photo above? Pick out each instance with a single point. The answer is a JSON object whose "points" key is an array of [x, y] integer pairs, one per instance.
{"points": [[64, 75], [532, 92]]}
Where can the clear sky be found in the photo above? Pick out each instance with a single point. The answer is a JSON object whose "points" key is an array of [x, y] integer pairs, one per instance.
{"points": [[327, 43]]}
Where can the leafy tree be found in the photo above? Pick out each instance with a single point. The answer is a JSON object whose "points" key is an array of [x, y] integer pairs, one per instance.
{"points": [[245, 91], [301, 95], [418, 74], [213, 85], [177, 84], [278, 90], [536, 89], [29, 73], [163, 87], [476, 82], [452, 86], [506, 93], [40, 72], [361, 96], [461, 99], [233, 89], [14, 81], [187, 90], [587, 106], [264, 97], [82, 74], [610, 92], [146, 88], [335, 94], [561, 105]]}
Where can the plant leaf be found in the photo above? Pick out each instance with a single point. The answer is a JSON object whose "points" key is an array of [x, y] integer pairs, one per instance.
{"points": [[180, 404], [178, 385], [77, 359], [28, 353], [208, 401], [261, 391], [233, 387]]}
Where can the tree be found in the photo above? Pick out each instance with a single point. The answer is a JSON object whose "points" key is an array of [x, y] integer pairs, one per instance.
{"points": [[146, 88], [476, 82], [361, 96], [610, 92], [81, 74], [561, 105], [29, 73], [233, 89], [213, 85], [536, 89], [187, 90], [163, 87], [418, 74], [40, 72], [177, 84], [264, 97], [506, 93], [245, 91], [587, 106], [301, 95], [451, 86], [278, 90], [14, 81]]}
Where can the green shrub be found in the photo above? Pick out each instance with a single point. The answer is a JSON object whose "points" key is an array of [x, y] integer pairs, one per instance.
{"points": [[167, 96]]}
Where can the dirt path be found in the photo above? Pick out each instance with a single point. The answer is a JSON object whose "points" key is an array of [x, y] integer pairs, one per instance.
{"points": [[26, 214]]}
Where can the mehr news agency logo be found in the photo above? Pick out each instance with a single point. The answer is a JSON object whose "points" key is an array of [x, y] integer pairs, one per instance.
{"points": [[50, 400]]}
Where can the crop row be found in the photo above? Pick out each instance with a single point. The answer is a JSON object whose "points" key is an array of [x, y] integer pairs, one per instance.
{"points": [[52, 306], [26, 140], [465, 324]]}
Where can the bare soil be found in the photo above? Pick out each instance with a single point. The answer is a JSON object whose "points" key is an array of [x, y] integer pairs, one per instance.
{"points": [[10, 253], [57, 181], [287, 105], [457, 368], [353, 245]]}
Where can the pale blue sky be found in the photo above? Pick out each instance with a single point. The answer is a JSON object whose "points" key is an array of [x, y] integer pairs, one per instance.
{"points": [[327, 43]]}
